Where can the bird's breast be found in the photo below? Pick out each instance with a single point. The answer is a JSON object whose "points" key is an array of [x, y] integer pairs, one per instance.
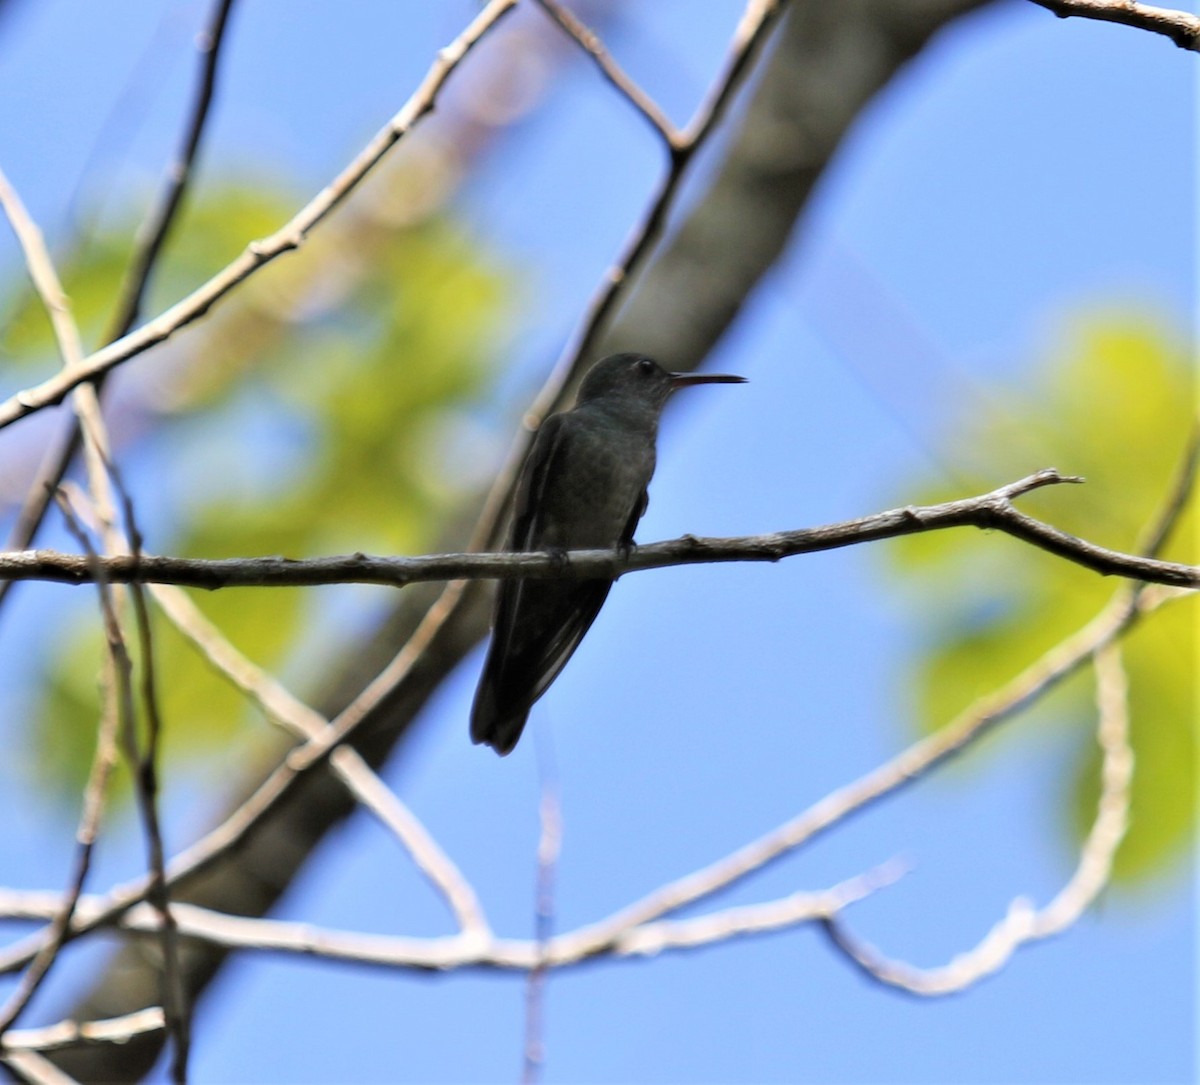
{"points": [[591, 498]]}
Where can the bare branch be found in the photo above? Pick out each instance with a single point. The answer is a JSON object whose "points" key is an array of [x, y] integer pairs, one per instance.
{"points": [[548, 851], [115, 1030], [650, 939], [1181, 27], [101, 468], [990, 511], [751, 32], [280, 706], [1023, 923], [591, 44], [144, 768], [438, 868], [464, 951], [49, 289], [609, 936], [260, 253], [103, 761], [890, 777], [1179, 492], [153, 233], [34, 1068], [42, 274], [150, 240]]}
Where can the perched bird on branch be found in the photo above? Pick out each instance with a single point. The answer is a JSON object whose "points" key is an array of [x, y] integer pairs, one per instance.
{"points": [[583, 486]]}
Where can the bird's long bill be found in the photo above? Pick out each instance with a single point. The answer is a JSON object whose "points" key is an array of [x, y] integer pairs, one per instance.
{"points": [[684, 380]]}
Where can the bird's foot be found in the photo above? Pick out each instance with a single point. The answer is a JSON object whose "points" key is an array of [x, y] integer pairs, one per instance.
{"points": [[558, 557]]}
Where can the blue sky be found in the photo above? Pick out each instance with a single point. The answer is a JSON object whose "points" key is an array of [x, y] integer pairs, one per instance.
{"points": [[1022, 173]]}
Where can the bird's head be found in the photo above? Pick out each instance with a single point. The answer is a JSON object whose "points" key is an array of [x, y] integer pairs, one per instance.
{"points": [[636, 379]]}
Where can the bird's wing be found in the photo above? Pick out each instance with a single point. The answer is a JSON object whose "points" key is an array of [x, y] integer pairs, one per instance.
{"points": [[549, 448], [539, 623], [639, 510], [530, 646]]}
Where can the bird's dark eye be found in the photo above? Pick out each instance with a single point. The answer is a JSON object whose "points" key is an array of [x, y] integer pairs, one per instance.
{"points": [[645, 366]]}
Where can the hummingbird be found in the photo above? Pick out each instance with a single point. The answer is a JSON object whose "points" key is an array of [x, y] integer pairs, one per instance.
{"points": [[582, 487]]}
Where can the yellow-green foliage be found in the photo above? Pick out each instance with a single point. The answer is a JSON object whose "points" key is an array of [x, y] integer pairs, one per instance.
{"points": [[1115, 404], [301, 417]]}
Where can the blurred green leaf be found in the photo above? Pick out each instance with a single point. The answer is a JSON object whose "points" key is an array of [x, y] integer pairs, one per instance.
{"points": [[302, 417], [1116, 404]]}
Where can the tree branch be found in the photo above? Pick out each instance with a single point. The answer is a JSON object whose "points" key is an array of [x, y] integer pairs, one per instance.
{"points": [[616, 283], [363, 783], [591, 44], [1023, 923], [892, 776], [823, 70], [1181, 27], [143, 764], [34, 1068], [49, 289], [469, 951], [122, 906], [103, 761], [149, 243], [153, 233], [102, 469], [260, 253], [990, 511], [115, 1030]]}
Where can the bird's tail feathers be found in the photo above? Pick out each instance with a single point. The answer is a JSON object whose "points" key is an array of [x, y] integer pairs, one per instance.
{"points": [[492, 728]]}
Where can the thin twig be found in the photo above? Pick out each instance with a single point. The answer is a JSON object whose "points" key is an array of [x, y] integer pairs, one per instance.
{"points": [[149, 242], [591, 44], [114, 1030], [748, 37], [617, 935], [650, 939], [569, 950], [1023, 923], [155, 229], [34, 1068], [144, 769], [41, 273], [1181, 27], [49, 290], [548, 851], [103, 762], [260, 253], [282, 707], [992, 511], [102, 469], [1182, 486], [887, 779]]}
